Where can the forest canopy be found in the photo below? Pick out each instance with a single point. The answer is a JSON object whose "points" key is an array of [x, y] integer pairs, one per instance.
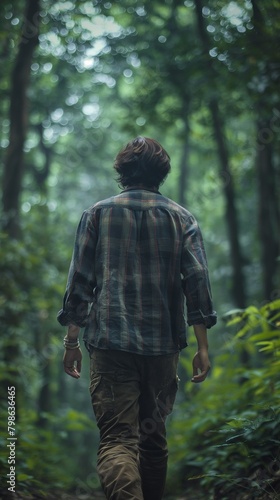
{"points": [[78, 80]]}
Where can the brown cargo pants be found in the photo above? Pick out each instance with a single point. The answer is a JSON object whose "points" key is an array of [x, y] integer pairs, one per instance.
{"points": [[131, 397]]}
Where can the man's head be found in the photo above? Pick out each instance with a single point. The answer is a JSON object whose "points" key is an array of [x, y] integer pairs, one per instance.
{"points": [[142, 161]]}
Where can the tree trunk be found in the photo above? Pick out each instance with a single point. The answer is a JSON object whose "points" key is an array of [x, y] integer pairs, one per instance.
{"points": [[184, 167], [238, 280], [269, 211], [269, 216], [41, 175], [12, 184], [13, 168]]}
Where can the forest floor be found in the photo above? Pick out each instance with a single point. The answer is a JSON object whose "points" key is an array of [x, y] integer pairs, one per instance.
{"points": [[98, 495], [61, 495], [66, 496]]}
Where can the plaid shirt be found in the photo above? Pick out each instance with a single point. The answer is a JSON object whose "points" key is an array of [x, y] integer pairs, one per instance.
{"points": [[136, 256]]}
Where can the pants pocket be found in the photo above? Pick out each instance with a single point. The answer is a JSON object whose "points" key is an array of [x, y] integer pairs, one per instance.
{"points": [[166, 398], [102, 399]]}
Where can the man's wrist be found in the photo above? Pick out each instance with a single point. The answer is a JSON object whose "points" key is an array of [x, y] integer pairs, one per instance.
{"points": [[201, 336], [71, 344], [202, 348]]}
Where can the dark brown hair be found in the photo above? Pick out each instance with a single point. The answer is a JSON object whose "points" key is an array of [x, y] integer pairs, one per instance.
{"points": [[142, 161]]}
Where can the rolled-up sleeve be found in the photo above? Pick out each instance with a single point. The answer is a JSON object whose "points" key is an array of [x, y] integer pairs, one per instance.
{"points": [[195, 282], [81, 278]]}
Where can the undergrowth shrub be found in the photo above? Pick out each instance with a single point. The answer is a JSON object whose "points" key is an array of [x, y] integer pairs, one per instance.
{"points": [[224, 437]]}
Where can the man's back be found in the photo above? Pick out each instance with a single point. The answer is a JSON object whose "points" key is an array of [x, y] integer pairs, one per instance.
{"points": [[138, 303], [135, 255]]}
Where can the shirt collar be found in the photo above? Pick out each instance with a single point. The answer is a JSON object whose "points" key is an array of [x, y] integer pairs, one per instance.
{"points": [[141, 188]]}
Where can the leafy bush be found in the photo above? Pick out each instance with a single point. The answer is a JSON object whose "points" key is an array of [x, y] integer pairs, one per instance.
{"points": [[224, 441], [42, 454], [48, 430]]}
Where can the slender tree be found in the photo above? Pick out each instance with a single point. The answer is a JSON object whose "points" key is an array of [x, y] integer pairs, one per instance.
{"points": [[238, 280], [12, 186], [268, 206], [14, 164]]}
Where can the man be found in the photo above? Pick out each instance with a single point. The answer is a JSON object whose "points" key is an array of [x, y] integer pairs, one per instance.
{"points": [[135, 257]]}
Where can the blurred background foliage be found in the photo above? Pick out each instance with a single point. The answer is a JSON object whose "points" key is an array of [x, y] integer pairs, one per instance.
{"points": [[78, 80]]}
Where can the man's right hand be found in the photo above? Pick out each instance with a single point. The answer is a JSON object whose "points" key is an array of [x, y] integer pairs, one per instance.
{"points": [[201, 365]]}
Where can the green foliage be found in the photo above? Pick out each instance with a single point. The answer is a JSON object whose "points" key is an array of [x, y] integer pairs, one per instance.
{"points": [[48, 427], [40, 452], [102, 73], [225, 438]]}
